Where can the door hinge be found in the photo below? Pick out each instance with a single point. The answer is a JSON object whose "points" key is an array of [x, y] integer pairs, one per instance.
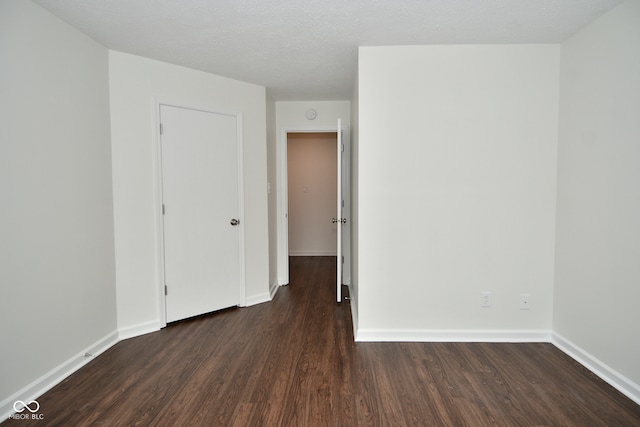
{"points": [[161, 129], [163, 210], [343, 259], [166, 292], [343, 148], [343, 203]]}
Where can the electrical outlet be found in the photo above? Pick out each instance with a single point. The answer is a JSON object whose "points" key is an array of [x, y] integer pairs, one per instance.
{"points": [[524, 301], [486, 299]]}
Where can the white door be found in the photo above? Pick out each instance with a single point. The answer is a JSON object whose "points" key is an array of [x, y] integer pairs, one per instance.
{"points": [[339, 218], [200, 205]]}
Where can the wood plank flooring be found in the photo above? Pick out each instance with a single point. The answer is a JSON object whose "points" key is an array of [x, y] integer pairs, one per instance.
{"points": [[293, 362]]}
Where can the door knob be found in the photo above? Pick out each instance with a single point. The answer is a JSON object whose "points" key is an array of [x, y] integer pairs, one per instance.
{"points": [[234, 222], [342, 220]]}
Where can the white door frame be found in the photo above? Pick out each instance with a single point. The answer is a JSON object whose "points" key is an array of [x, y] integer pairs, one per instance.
{"points": [[159, 229], [283, 200]]}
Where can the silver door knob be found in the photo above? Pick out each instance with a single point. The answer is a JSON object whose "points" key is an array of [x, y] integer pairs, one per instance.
{"points": [[234, 222], [342, 220]]}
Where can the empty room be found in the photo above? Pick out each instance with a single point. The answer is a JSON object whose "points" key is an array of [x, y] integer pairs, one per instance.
{"points": [[383, 213]]}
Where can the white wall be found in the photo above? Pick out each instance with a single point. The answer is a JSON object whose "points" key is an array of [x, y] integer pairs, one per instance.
{"points": [[290, 116], [456, 189], [597, 282], [312, 177], [57, 273], [355, 154], [134, 82]]}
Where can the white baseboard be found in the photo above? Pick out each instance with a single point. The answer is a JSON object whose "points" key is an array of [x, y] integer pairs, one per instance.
{"points": [[273, 289], [258, 299], [623, 384], [452, 335], [354, 312], [139, 329], [46, 382], [313, 253]]}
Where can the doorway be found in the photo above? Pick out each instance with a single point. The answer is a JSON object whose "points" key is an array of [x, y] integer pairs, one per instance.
{"points": [[283, 199], [312, 170]]}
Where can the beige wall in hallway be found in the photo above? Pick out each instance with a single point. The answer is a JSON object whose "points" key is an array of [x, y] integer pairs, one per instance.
{"points": [[312, 177]]}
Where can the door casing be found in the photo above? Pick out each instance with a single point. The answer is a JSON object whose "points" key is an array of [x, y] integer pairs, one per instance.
{"points": [[283, 200]]}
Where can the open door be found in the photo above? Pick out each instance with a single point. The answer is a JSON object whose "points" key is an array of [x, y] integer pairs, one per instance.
{"points": [[339, 216]]}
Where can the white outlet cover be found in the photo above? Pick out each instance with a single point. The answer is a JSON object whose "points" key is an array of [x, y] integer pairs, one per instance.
{"points": [[486, 299]]}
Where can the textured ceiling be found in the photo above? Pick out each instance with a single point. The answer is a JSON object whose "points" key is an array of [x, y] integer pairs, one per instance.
{"points": [[303, 50]]}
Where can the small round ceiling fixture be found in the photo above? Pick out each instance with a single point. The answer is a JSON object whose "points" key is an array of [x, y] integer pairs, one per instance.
{"points": [[311, 114]]}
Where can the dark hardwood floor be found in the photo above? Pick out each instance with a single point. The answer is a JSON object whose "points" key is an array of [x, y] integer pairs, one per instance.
{"points": [[293, 362]]}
